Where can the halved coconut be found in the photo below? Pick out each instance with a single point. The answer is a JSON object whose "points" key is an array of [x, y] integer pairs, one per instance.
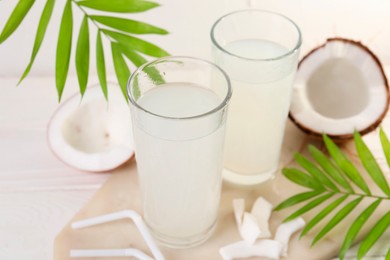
{"points": [[90, 133], [340, 87]]}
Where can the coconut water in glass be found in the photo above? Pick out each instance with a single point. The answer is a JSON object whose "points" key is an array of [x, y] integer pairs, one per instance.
{"points": [[178, 111], [259, 51]]}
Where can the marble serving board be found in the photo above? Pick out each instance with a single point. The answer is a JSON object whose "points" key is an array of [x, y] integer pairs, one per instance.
{"points": [[121, 192]]}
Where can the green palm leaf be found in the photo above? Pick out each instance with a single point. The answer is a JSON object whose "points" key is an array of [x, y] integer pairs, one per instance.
{"points": [[137, 44], [345, 165], [336, 173], [337, 218], [374, 234], [102, 18], [41, 31], [17, 16], [82, 55], [385, 145], [302, 179], [119, 6], [315, 171], [121, 69], [138, 60], [356, 226], [322, 214], [100, 65], [329, 168], [370, 164], [312, 204], [64, 46], [298, 198], [388, 255], [127, 25], [132, 55]]}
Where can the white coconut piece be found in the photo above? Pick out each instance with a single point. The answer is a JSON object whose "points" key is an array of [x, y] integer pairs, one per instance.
{"points": [[262, 210], [246, 223], [90, 133], [238, 208], [255, 224], [340, 87], [270, 249], [249, 229], [286, 230]]}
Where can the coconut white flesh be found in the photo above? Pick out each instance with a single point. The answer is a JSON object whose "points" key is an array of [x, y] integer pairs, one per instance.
{"points": [[90, 134], [270, 249], [262, 210], [286, 230], [338, 88], [249, 228], [238, 208], [246, 223], [254, 225]]}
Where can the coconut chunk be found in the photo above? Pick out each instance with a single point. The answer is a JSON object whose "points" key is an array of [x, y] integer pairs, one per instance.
{"points": [[246, 223], [286, 230], [262, 248], [249, 229], [262, 210], [238, 208], [255, 224]]}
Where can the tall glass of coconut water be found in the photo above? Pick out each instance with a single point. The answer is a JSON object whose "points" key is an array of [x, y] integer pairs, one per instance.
{"points": [[179, 107], [259, 51]]}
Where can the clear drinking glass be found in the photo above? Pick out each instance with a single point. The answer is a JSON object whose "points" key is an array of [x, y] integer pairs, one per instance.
{"points": [[179, 107], [259, 51]]}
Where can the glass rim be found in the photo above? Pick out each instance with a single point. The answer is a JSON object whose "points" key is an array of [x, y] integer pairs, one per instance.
{"points": [[288, 53], [222, 104]]}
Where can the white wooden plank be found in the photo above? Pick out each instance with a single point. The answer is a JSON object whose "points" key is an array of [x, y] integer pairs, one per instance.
{"points": [[29, 221], [26, 161]]}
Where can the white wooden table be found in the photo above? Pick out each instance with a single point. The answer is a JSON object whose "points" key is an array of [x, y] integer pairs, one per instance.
{"points": [[38, 193]]}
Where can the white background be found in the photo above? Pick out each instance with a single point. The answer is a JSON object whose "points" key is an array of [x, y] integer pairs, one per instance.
{"points": [[189, 22]]}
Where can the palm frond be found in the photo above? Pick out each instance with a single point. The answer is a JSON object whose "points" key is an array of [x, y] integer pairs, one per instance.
{"points": [[298, 198], [41, 31], [323, 213], [299, 177], [345, 165], [345, 211], [125, 46], [64, 46], [312, 204], [329, 180], [312, 169], [17, 16], [375, 233], [356, 226], [371, 165], [330, 169]]}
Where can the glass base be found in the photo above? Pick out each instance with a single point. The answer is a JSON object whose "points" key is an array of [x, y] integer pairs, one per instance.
{"points": [[253, 179], [180, 242]]}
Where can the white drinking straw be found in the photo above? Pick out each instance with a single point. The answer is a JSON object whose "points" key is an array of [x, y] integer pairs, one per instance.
{"points": [[137, 219]]}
